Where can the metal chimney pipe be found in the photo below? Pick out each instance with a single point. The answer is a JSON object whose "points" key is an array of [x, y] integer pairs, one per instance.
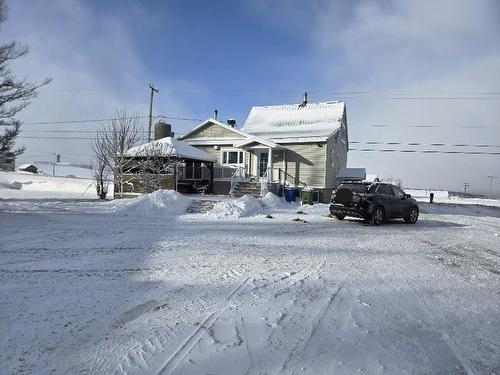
{"points": [[216, 112], [305, 98]]}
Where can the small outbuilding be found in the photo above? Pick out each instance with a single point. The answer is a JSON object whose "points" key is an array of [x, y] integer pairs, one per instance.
{"points": [[31, 168], [165, 156]]}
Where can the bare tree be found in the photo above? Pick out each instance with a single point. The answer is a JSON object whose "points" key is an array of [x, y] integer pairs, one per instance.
{"points": [[100, 173], [393, 180], [113, 142], [15, 94], [100, 168]]}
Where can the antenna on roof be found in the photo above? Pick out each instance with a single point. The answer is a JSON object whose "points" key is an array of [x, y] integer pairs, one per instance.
{"points": [[304, 102]]}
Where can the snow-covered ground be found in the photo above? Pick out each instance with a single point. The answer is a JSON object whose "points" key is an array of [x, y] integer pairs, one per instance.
{"points": [[25, 185], [441, 196], [102, 287]]}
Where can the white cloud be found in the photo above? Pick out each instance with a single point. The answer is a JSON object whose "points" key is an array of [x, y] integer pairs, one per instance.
{"points": [[425, 49], [93, 63]]}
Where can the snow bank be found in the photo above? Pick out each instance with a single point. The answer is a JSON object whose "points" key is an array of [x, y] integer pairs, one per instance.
{"points": [[241, 207], [272, 201], [161, 202]]}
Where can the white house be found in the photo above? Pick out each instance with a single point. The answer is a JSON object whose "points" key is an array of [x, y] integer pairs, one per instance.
{"points": [[299, 145]]}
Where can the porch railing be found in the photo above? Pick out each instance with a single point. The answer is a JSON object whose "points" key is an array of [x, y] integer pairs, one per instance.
{"points": [[264, 182], [190, 172], [238, 175], [287, 179]]}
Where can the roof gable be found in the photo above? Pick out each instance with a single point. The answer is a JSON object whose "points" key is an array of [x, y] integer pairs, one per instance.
{"points": [[256, 140], [223, 130], [295, 121]]}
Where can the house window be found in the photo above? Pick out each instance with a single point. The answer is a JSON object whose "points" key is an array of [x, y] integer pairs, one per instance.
{"points": [[232, 157]]}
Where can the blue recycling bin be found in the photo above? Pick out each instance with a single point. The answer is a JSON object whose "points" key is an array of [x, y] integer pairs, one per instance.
{"points": [[290, 194]]}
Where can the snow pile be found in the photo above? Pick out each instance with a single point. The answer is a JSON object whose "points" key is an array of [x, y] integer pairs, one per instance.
{"points": [[272, 201], [161, 202], [241, 207]]}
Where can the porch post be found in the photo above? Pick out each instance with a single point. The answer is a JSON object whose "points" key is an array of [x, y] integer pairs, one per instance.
{"points": [[175, 174], [284, 167], [211, 185], [270, 165], [210, 167]]}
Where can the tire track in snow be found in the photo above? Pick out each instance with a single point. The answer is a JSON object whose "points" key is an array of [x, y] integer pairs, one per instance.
{"points": [[171, 363], [302, 344], [434, 318]]}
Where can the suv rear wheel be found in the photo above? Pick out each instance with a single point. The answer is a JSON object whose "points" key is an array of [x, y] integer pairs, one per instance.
{"points": [[340, 216], [377, 216]]}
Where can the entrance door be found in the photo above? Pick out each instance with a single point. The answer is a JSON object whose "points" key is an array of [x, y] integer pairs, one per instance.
{"points": [[263, 159]]}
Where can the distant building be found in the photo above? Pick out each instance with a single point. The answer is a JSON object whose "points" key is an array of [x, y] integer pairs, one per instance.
{"points": [[351, 174], [28, 168]]}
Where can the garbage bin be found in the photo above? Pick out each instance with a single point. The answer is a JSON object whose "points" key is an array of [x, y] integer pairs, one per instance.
{"points": [[431, 197], [290, 193], [307, 197]]}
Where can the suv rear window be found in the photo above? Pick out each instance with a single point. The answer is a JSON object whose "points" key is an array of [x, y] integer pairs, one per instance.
{"points": [[357, 188], [385, 190]]}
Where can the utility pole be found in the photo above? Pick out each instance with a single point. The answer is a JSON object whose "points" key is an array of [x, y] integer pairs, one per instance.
{"points": [[491, 184], [153, 90]]}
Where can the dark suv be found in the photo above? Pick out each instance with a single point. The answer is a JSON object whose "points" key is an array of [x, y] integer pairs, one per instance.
{"points": [[373, 202]]}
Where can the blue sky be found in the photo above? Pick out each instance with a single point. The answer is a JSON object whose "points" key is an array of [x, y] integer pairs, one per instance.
{"points": [[231, 55]]}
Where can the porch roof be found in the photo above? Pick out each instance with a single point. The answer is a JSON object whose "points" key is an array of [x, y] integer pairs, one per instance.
{"points": [[253, 139]]}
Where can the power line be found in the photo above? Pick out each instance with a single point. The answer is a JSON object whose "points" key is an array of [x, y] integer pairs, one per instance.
{"points": [[438, 94], [423, 126], [424, 144], [69, 131], [427, 151], [354, 126], [103, 120], [75, 121], [73, 138]]}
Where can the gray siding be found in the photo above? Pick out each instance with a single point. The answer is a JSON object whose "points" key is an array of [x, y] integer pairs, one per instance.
{"points": [[336, 158], [210, 150], [306, 162], [213, 131]]}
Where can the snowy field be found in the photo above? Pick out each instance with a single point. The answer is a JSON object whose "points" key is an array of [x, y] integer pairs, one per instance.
{"points": [[136, 287], [441, 196], [25, 185]]}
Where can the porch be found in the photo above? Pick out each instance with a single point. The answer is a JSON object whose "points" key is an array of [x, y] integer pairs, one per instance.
{"points": [[251, 166]]}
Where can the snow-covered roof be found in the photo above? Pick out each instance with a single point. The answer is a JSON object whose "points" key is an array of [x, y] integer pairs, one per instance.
{"points": [[371, 178], [295, 121], [169, 146], [352, 173], [253, 139], [24, 166]]}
